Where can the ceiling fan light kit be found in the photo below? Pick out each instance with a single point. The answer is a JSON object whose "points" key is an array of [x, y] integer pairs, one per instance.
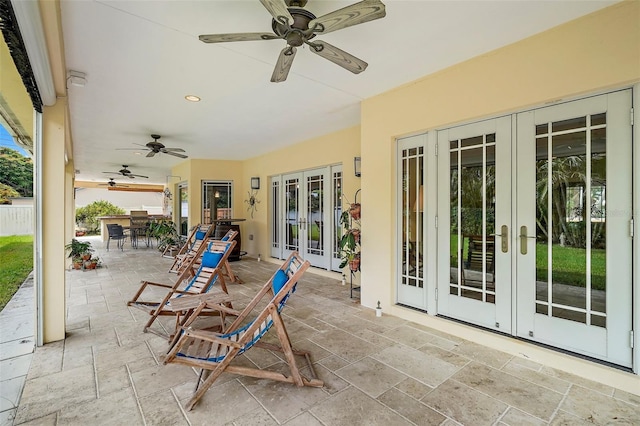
{"points": [[296, 25]]}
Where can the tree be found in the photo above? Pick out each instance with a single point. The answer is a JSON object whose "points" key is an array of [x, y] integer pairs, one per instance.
{"points": [[7, 192], [16, 171], [87, 216]]}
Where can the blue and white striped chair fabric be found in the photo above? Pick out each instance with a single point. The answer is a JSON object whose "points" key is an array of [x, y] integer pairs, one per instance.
{"points": [[215, 351], [200, 281]]}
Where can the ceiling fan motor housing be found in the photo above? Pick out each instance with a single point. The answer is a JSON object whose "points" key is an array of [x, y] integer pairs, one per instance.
{"points": [[298, 34]]}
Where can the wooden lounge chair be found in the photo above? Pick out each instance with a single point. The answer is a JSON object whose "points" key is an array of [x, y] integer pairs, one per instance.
{"points": [[194, 260], [213, 352], [191, 248], [199, 281], [472, 276]]}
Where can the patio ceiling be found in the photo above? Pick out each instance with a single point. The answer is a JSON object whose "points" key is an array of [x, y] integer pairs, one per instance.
{"points": [[141, 58]]}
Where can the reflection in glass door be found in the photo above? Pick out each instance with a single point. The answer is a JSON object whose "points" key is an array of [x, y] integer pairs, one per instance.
{"points": [[411, 287], [574, 206], [474, 220], [306, 219], [292, 214], [183, 209]]}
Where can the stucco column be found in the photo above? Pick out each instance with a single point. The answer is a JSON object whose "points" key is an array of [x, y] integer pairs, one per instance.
{"points": [[54, 195]]}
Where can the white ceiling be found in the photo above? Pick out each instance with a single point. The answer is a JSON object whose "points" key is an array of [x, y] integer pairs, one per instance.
{"points": [[142, 57]]}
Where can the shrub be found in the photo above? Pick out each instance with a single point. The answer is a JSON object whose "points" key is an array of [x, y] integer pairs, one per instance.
{"points": [[87, 216]]}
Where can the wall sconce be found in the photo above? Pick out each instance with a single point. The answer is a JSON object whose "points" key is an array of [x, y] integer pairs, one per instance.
{"points": [[357, 164], [255, 183]]}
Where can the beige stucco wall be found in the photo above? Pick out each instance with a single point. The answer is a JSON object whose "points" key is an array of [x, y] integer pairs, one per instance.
{"points": [[334, 148], [14, 96], [597, 52], [195, 171]]}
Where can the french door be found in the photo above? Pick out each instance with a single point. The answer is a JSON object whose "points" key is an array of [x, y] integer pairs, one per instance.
{"points": [[573, 247], [533, 223], [304, 215], [474, 221]]}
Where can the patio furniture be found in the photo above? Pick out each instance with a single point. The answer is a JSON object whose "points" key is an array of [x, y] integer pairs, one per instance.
{"points": [[139, 227], [195, 259], [191, 247], [189, 282], [116, 232], [213, 352], [473, 263]]}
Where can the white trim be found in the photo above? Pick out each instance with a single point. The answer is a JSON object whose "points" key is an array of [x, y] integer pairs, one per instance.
{"points": [[38, 260], [30, 24], [635, 137]]}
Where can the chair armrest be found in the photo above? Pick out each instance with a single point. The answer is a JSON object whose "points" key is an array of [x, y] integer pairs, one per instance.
{"points": [[211, 337], [156, 284]]}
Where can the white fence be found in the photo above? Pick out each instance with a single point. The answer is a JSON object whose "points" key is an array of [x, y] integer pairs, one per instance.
{"points": [[16, 220]]}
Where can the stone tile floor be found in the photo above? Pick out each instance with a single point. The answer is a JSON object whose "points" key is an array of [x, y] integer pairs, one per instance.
{"points": [[376, 370]]}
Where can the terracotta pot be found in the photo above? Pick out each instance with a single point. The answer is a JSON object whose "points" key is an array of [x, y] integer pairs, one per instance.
{"points": [[356, 235], [354, 264], [354, 211], [77, 265], [86, 256]]}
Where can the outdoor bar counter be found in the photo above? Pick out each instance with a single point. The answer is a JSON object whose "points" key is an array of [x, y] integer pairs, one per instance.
{"points": [[121, 219]]}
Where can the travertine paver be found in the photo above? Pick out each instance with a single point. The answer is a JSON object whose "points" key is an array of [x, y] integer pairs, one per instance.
{"points": [[376, 370]]}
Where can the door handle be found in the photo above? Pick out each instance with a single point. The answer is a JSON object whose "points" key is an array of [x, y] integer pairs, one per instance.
{"points": [[523, 239], [504, 238]]}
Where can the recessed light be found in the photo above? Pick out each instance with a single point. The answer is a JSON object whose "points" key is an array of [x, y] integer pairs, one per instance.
{"points": [[192, 98]]}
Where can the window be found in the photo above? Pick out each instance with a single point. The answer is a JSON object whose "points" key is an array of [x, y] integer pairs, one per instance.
{"points": [[216, 200]]}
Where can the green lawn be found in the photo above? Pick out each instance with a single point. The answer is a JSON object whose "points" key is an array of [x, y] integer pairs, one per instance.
{"points": [[16, 253], [569, 264]]}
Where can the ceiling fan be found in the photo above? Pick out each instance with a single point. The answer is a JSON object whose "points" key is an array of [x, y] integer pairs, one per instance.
{"points": [[124, 171], [154, 147], [112, 183], [298, 26]]}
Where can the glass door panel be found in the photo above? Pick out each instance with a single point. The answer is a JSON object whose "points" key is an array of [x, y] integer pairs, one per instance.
{"points": [[292, 214], [276, 217], [314, 222], [566, 226], [183, 209], [336, 207], [305, 226], [411, 167], [474, 210]]}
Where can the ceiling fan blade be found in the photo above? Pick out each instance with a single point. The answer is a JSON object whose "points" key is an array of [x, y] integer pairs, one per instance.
{"points": [[131, 175], [278, 9], [283, 65], [173, 149], [338, 56], [175, 154], [150, 154], [223, 38], [357, 13]]}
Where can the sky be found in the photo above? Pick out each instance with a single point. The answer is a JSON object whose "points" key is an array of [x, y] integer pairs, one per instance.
{"points": [[7, 141]]}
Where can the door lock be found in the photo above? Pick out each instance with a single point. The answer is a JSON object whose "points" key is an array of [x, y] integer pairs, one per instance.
{"points": [[523, 239]]}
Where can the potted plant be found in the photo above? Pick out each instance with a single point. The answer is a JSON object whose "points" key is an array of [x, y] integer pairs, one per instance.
{"points": [[354, 210], [78, 251], [165, 232], [349, 243], [93, 263]]}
